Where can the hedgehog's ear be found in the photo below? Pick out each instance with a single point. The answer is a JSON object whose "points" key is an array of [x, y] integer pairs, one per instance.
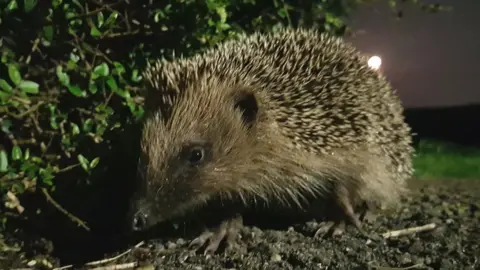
{"points": [[247, 103]]}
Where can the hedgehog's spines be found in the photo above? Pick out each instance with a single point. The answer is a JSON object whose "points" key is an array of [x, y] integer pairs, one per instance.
{"points": [[321, 97]]}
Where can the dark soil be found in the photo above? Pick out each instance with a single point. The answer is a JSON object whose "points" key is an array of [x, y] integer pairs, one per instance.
{"points": [[454, 206]]}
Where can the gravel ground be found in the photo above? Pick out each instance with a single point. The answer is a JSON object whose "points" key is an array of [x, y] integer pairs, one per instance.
{"points": [[453, 206]]}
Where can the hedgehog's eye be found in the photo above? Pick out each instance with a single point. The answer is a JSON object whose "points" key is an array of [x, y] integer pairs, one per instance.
{"points": [[196, 155]]}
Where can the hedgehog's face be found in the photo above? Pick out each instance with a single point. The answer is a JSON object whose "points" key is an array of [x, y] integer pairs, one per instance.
{"points": [[197, 153]]}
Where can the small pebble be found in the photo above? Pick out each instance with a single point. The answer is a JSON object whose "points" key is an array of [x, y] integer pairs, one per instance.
{"points": [[276, 257], [180, 242], [171, 245]]}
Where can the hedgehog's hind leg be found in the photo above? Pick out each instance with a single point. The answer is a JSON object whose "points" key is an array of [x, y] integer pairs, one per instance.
{"points": [[227, 231], [366, 212], [341, 213]]}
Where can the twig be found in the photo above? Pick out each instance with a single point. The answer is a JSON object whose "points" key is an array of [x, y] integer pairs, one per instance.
{"points": [[397, 268], [68, 168], [36, 124], [127, 33], [116, 257], [34, 48], [107, 99], [61, 209], [117, 266], [21, 100], [105, 260], [29, 111], [412, 230]]}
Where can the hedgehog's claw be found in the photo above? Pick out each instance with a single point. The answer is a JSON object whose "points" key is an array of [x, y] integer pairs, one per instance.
{"points": [[228, 231], [343, 214], [366, 212], [336, 228], [201, 240]]}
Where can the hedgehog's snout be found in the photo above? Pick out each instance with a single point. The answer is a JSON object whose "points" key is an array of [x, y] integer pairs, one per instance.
{"points": [[143, 216], [140, 221]]}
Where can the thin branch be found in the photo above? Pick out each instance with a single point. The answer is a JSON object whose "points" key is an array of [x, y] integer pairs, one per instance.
{"points": [[130, 265], [21, 100], [415, 266], [61, 209], [116, 257], [427, 227], [128, 33], [105, 260], [68, 168], [27, 112]]}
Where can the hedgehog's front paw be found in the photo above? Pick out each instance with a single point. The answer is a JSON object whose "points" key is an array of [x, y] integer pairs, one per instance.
{"points": [[228, 231], [335, 228]]}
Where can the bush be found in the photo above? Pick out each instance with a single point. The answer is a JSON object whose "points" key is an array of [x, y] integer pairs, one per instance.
{"points": [[71, 90], [71, 80]]}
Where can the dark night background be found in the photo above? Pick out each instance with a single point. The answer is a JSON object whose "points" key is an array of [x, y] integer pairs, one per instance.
{"points": [[433, 62]]}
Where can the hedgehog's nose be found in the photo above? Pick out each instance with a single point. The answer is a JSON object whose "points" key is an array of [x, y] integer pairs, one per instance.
{"points": [[140, 221]]}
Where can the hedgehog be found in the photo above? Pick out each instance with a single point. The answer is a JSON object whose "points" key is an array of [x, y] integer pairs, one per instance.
{"points": [[289, 116]]}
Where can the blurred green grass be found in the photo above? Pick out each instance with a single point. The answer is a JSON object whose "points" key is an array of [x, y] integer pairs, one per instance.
{"points": [[436, 159]]}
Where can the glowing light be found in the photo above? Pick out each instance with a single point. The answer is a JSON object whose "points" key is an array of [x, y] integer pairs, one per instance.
{"points": [[375, 62]]}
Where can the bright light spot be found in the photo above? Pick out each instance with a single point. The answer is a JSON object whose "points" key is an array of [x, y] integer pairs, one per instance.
{"points": [[375, 62]]}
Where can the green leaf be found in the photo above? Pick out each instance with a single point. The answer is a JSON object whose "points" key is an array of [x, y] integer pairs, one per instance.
{"points": [[66, 141], [12, 5], [100, 19], [123, 93], [29, 168], [29, 87], [26, 156], [87, 125], [222, 13], [83, 162], [46, 175], [112, 18], [16, 153], [53, 122], [74, 57], [79, 5], [92, 87], [112, 84], [6, 125], [14, 74], [135, 76], [158, 15], [94, 162], [5, 86], [37, 160], [48, 33], [95, 32], [18, 188], [28, 5], [4, 97], [75, 129], [3, 161], [62, 76], [101, 70], [76, 91], [119, 68], [56, 3]]}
